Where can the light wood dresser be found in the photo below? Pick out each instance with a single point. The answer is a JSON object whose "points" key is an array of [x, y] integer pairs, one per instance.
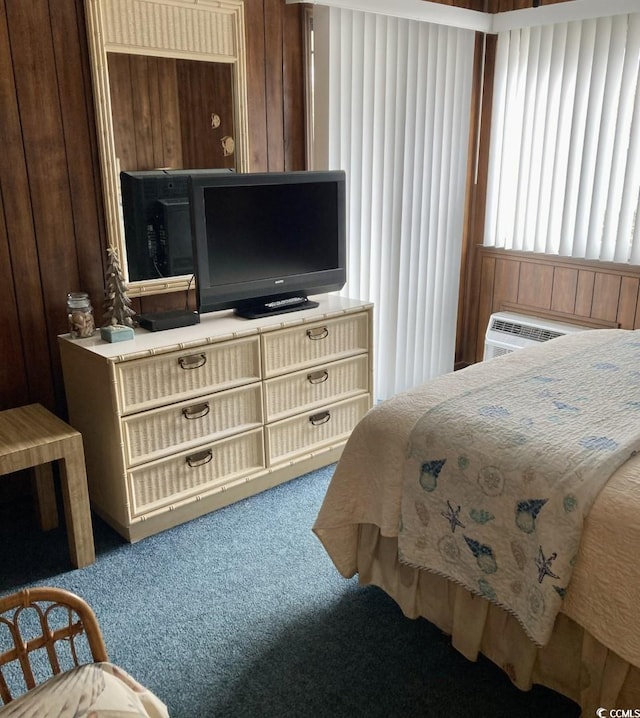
{"points": [[180, 422]]}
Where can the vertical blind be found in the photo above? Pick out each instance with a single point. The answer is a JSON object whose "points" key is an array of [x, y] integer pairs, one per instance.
{"points": [[391, 107], [564, 166]]}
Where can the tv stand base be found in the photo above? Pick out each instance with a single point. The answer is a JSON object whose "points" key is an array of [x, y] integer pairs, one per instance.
{"points": [[277, 306]]}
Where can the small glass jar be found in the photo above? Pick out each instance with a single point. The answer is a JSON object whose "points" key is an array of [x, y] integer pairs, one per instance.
{"points": [[80, 314]]}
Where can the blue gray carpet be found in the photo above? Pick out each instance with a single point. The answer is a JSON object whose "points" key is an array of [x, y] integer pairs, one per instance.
{"points": [[241, 614]]}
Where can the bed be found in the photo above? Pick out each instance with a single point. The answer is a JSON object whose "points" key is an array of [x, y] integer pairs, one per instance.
{"points": [[592, 652]]}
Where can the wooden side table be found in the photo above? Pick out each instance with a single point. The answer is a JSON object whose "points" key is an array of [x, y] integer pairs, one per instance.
{"points": [[33, 437]]}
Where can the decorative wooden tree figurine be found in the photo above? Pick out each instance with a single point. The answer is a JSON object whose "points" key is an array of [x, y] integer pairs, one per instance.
{"points": [[117, 305]]}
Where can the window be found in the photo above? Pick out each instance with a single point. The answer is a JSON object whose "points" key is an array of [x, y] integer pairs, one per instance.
{"points": [[564, 166], [392, 102]]}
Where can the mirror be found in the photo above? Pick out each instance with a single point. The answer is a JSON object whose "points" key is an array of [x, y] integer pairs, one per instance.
{"points": [[150, 61]]}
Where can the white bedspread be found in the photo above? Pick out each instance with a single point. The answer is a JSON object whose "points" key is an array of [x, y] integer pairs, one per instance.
{"points": [[367, 489], [499, 479]]}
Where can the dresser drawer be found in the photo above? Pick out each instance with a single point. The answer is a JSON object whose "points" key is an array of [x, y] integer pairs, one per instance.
{"points": [[315, 343], [308, 432], [161, 483], [316, 386], [145, 383], [159, 432]]}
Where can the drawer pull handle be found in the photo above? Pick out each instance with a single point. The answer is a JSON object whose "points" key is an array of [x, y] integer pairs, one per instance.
{"points": [[321, 418], [317, 333], [193, 361], [196, 412], [318, 377], [200, 459]]}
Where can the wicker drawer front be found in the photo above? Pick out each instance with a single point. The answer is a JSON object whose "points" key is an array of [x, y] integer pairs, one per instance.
{"points": [[164, 482], [160, 432], [317, 386], [315, 343], [303, 434], [145, 383]]}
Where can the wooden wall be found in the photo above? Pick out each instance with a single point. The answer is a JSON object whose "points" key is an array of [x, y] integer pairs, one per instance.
{"points": [[52, 233], [597, 294], [162, 111]]}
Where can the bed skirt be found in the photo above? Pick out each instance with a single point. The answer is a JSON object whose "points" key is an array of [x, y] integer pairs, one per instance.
{"points": [[573, 663]]}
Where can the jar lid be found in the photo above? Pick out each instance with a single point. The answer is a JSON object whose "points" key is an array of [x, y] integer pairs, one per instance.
{"points": [[78, 299]]}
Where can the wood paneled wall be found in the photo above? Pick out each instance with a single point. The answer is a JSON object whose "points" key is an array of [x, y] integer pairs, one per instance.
{"points": [[598, 294], [52, 233], [163, 108]]}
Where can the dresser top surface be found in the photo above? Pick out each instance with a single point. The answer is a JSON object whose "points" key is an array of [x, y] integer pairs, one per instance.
{"points": [[214, 327]]}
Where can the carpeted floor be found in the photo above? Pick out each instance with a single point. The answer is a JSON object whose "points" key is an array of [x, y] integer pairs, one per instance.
{"points": [[241, 614]]}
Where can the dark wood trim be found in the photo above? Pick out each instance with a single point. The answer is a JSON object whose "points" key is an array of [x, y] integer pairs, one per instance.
{"points": [[294, 81], [273, 62], [471, 208], [466, 348]]}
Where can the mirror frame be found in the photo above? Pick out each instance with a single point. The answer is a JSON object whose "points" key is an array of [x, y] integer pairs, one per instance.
{"points": [[205, 30]]}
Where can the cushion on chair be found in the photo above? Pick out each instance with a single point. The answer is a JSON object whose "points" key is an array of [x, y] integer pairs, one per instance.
{"points": [[95, 690]]}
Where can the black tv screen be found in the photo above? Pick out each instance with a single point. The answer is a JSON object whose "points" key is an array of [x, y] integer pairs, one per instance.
{"points": [[264, 241]]}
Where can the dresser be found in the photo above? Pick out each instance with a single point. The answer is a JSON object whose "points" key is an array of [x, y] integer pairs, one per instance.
{"points": [[181, 422]]}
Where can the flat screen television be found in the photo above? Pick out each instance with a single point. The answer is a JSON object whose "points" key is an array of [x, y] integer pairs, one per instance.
{"points": [[157, 221], [263, 242]]}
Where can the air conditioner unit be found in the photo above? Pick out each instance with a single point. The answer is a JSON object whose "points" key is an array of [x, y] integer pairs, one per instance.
{"points": [[508, 332]]}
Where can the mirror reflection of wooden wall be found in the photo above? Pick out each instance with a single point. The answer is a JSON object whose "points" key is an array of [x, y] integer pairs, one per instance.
{"points": [[170, 113]]}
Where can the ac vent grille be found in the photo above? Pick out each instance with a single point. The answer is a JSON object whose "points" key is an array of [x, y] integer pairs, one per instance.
{"points": [[508, 332], [536, 334]]}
